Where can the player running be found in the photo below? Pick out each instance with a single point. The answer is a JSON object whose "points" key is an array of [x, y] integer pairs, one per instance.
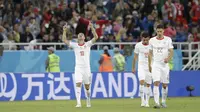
{"points": [[82, 66], [161, 51], [141, 54]]}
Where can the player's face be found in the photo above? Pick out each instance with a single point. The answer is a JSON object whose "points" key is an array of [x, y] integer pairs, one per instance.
{"points": [[81, 37], [145, 40], [160, 32]]}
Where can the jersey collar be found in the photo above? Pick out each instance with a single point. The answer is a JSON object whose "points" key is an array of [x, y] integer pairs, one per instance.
{"points": [[159, 38], [81, 44]]}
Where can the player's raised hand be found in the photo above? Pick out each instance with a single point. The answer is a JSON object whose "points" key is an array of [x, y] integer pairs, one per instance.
{"points": [[65, 27], [91, 25], [92, 28]]}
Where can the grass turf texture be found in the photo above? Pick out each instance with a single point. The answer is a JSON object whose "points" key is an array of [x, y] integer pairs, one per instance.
{"points": [[190, 104]]}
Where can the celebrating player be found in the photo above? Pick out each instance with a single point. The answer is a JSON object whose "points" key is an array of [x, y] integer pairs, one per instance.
{"points": [[82, 67], [161, 50], [141, 54]]}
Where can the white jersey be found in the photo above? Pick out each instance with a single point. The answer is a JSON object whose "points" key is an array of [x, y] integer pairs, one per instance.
{"points": [[82, 54], [142, 51], [160, 48]]}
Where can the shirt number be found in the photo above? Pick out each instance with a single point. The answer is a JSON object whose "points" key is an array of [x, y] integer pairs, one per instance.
{"points": [[82, 53], [146, 55], [159, 50]]}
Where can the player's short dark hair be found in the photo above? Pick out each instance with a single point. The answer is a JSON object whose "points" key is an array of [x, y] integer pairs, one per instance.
{"points": [[160, 26], [145, 34]]}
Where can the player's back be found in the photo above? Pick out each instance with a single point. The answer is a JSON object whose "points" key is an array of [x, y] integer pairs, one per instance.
{"points": [[82, 54], [160, 48], [142, 51]]}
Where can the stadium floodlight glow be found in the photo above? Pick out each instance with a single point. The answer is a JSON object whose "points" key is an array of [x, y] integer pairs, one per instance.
{"points": [[190, 88]]}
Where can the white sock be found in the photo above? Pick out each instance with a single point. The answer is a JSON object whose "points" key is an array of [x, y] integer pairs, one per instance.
{"points": [[142, 93], [88, 96], [78, 95], [147, 94], [156, 94], [164, 94]]}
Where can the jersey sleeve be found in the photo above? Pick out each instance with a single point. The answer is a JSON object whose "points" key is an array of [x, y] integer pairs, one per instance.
{"points": [[136, 49], [170, 45], [150, 45], [72, 44], [89, 43]]}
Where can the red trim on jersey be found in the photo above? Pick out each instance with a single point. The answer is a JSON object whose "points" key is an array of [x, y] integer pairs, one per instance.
{"points": [[81, 44], [145, 44], [160, 38]]}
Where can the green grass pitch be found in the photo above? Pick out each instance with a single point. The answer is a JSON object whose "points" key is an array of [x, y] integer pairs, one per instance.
{"points": [[189, 104]]}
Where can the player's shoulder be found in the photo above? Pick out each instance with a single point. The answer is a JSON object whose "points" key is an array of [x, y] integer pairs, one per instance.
{"points": [[153, 39], [73, 42], [167, 38], [138, 44]]}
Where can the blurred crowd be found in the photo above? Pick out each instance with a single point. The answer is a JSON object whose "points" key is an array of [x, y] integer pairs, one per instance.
{"points": [[33, 21]]}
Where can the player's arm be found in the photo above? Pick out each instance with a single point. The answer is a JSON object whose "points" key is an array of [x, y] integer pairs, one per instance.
{"points": [[134, 61], [171, 53], [136, 52], [150, 59], [94, 33], [64, 37]]}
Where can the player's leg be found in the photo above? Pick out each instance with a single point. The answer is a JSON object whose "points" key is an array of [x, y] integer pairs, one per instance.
{"points": [[87, 82], [147, 94], [156, 79], [141, 76], [78, 80], [141, 90], [165, 82], [156, 93], [164, 95], [78, 94], [148, 82], [87, 87]]}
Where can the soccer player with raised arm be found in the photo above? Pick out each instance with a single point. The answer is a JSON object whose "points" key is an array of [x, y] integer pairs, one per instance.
{"points": [[161, 52], [141, 54], [82, 66]]}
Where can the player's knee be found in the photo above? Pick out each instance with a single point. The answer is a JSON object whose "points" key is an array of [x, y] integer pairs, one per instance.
{"points": [[157, 83], [87, 87], [142, 82], [147, 85], [78, 84], [164, 86]]}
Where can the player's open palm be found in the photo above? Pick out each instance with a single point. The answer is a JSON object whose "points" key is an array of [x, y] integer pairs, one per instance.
{"points": [[65, 27]]}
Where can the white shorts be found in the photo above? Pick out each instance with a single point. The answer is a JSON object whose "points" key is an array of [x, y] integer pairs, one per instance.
{"points": [[82, 75], [144, 74], [160, 73]]}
